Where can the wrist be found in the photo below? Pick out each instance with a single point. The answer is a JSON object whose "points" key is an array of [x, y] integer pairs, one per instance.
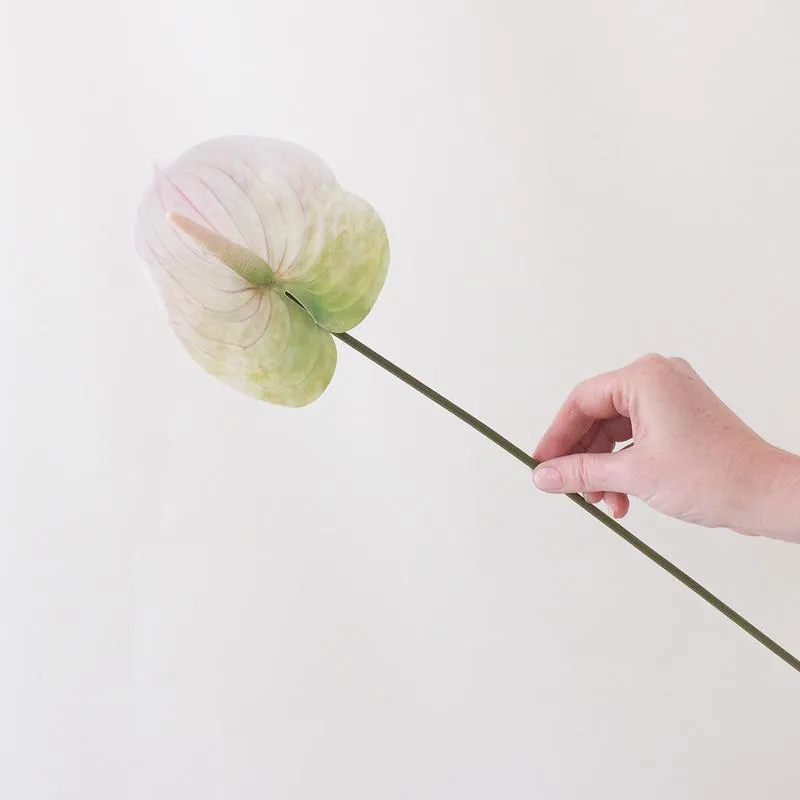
{"points": [[775, 499]]}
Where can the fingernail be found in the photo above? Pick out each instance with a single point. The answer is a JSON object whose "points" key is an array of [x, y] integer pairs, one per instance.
{"points": [[548, 479]]}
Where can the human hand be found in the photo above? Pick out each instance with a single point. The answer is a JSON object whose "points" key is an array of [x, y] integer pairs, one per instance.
{"points": [[689, 456]]}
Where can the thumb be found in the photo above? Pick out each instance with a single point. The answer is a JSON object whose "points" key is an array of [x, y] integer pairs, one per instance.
{"points": [[586, 472]]}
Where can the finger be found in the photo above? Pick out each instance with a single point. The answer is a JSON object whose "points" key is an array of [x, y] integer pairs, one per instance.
{"points": [[606, 434], [619, 429], [618, 504], [602, 398], [598, 442], [602, 438], [606, 437], [589, 472], [585, 442]]}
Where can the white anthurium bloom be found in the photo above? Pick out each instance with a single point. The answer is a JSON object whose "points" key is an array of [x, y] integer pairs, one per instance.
{"points": [[237, 234]]}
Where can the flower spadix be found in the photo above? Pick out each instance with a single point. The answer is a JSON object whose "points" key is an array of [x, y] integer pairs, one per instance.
{"points": [[234, 233]]}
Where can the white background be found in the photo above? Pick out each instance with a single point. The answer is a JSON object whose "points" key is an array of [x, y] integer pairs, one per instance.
{"points": [[205, 597]]}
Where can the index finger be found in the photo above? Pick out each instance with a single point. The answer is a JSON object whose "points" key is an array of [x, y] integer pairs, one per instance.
{"points": [[604, 397]]}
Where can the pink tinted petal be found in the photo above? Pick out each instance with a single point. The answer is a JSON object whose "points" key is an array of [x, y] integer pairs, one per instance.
{"points": [[258, 192]]}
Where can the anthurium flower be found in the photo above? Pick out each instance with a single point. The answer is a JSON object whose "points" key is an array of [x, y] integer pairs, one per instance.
{"points": [[258, 255]]}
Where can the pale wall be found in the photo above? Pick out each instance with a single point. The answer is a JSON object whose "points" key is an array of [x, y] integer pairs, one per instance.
{"points": [[204, 597]]}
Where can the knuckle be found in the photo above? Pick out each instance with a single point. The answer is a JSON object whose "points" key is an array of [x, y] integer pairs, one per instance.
{"points": [[578, 392], [653, 367], [682, 364], [651, 360]]}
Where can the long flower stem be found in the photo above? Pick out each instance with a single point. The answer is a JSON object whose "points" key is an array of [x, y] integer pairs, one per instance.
{"points": [[609, 522]]}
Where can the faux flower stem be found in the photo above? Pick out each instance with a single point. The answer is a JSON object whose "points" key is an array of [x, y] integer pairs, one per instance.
{"points": [[599, 515]]}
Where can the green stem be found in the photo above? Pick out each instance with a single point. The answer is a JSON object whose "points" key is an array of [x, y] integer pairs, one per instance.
{"points": [[609, 522]]}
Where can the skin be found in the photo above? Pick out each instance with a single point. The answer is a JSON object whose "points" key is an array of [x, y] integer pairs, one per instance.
{"points": [[686, 453]]}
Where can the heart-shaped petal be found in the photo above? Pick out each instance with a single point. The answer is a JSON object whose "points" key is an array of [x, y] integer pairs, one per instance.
{"points": [[234, 230]]}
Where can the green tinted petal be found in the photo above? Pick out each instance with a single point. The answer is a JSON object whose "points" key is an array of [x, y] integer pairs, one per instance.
{"points": [[346, 272], [294, 361], [281, 355]]}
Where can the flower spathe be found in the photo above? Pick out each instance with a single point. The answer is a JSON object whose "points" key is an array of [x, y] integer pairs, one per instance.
{"points": [[234, 229]]}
